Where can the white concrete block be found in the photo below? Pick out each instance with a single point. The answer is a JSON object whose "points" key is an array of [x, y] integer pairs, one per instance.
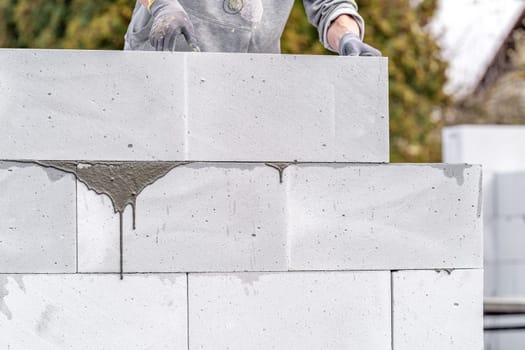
{"points": [[37, 219], [489, 341], [283, 108], [210, 217], [510, 279], [510, 240], [111, 105], [490, 237], [93, 312], [384, 216], [438, 310], [91, 105], [334, 310], [490, 278], [98, 232], [510, 194], [505, 340], [496, 147], [323, 217]]}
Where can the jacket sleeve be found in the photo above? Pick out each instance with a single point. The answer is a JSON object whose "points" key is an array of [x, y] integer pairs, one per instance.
{"points": [[321, 13]]}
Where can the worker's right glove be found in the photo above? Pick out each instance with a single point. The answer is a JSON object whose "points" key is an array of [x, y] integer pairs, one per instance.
{"points": [[351, 45], [169, 21]]}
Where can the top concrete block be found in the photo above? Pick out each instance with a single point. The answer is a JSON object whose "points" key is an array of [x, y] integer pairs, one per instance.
{"points": [[278, 107], [101, 105]]}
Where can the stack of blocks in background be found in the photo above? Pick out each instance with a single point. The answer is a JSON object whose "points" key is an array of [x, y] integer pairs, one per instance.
{"points": [[499, 148], [278, 223]]}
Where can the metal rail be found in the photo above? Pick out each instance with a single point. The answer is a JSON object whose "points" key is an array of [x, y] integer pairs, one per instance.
{"points": [[496, 306], [504, 306]]}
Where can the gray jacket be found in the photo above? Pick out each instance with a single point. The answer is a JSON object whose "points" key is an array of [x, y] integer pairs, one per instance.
{"points": [[240, 25]]}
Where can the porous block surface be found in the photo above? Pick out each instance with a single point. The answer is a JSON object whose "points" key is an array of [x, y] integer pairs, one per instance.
{"points": [[101, 105], [93, 312], [437, 310], [497, 147], [37, 219], [511, 240], [114, 105], [278, 107], [331, 310], [384, 217], [509, 278], [212, 217], [98, 232], [510, 188]]}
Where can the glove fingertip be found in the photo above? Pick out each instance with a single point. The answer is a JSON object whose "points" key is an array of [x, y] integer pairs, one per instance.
{"points": [[188, 35], [374, 53], [352, 51]]}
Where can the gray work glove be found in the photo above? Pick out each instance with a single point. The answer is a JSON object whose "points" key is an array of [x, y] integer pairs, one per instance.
{"points": [[351, 45], [169, 21]]}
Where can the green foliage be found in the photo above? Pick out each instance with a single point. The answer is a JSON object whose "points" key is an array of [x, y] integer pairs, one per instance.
{"points": [[98, 24], [80, 24], [299, 35], [394, 26]]}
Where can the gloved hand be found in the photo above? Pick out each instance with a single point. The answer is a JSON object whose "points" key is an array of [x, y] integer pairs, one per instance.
{"points": [[351, 45], [169, 21]]}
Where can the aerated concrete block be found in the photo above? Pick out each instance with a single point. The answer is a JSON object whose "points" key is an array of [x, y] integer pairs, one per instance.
{"points": [[510, 240], [230, 217], [285, 108], [113, 105], [346, 217], [497, 147], [52, 312], [510, 281], [510, 194], [490, 279], [490, 238], [210, 217], [37, 219], [98, 232], [438, 310], [91, 105], [326, 310]]}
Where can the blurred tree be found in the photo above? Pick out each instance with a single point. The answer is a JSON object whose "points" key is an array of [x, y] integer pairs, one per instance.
{"points": [[97, 24], [396, 27], [79, 24]]}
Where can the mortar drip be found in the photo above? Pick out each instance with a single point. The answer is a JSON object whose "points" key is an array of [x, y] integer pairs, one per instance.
{"points": [[122, 182], [280, 167]]}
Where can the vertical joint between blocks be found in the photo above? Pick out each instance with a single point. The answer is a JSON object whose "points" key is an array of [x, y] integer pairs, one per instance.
{"points": [[392, 309], [76, 225], [188, 310]]}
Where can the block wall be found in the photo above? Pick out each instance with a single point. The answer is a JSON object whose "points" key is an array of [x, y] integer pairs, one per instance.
{"points": [[224, 208]]}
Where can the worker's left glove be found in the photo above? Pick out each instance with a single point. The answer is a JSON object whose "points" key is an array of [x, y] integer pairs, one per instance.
{"points": [[169, 21], [351, 45]]}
